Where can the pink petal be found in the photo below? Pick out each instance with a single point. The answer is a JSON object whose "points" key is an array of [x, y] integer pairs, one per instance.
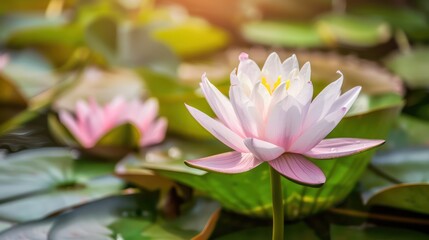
{"points": [[217, 129], [340, 147], [347, 99], [82, 113], [80, 134], [155, 133], [263, 150], [221, 106], [250, 69], [146, 114], [248, 115], [230, 162], [315, 133], [114, 112], [284, 122], [297, 168], [321, 105]]}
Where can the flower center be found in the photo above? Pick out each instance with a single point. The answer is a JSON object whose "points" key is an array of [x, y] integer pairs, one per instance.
{"points": [[275, 85]]}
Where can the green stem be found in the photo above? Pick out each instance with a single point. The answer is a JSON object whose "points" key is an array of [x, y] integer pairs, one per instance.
{"points": [[277, 198]]}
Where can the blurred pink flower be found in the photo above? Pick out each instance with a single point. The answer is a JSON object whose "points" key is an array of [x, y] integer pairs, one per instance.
{"points": [[92, 121], [270, 117]]}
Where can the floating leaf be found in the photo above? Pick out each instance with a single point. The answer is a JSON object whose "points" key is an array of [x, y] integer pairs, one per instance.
{"points": [[45, 178], [185, 38], [37, 230], [125, 217], [13, 23], [411, 197], [286, 34], [401, 166], [129, 46], [352, 30], [411, 66], [412, 21], [409, 132], [30, 72]]}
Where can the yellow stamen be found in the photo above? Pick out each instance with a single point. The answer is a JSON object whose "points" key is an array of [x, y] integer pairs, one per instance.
{"points": [[266, 84], [287, 84], [276, 84]]}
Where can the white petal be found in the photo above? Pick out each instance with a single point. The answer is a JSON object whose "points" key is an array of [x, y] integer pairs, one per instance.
{"points": [[247, 114], [346, 100], [315, 133], [224, 134], [272, 68], [249, 68], [284, 122], [221, 106], [263, 150], [289, 64], [323, 102]]}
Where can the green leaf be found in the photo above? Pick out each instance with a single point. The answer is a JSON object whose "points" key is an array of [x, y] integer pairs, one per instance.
{"points": [[13, 23], [37, 230], [36, 183], [409, 132], [185, 39], [404, 165], [131, 217], [287, 34], [352, 30], [129, 46], [294, 231], [374, 233], [411, 66], [411, 197], [125, 135], [30, 72], [410, 20]]}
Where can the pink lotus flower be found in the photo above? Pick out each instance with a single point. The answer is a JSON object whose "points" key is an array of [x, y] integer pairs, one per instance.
{"points": [[270, 117], [92, 121]]}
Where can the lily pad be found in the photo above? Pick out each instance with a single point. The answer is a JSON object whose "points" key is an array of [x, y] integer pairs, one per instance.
{"points": [[30, 72], [411, 66], [13, 23], [185, 38], [123, 217], [411, 21], [411, 197], [287, 34], [352, 30], [125, 45], [395, 167], [409, 132], [44, 181]]}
